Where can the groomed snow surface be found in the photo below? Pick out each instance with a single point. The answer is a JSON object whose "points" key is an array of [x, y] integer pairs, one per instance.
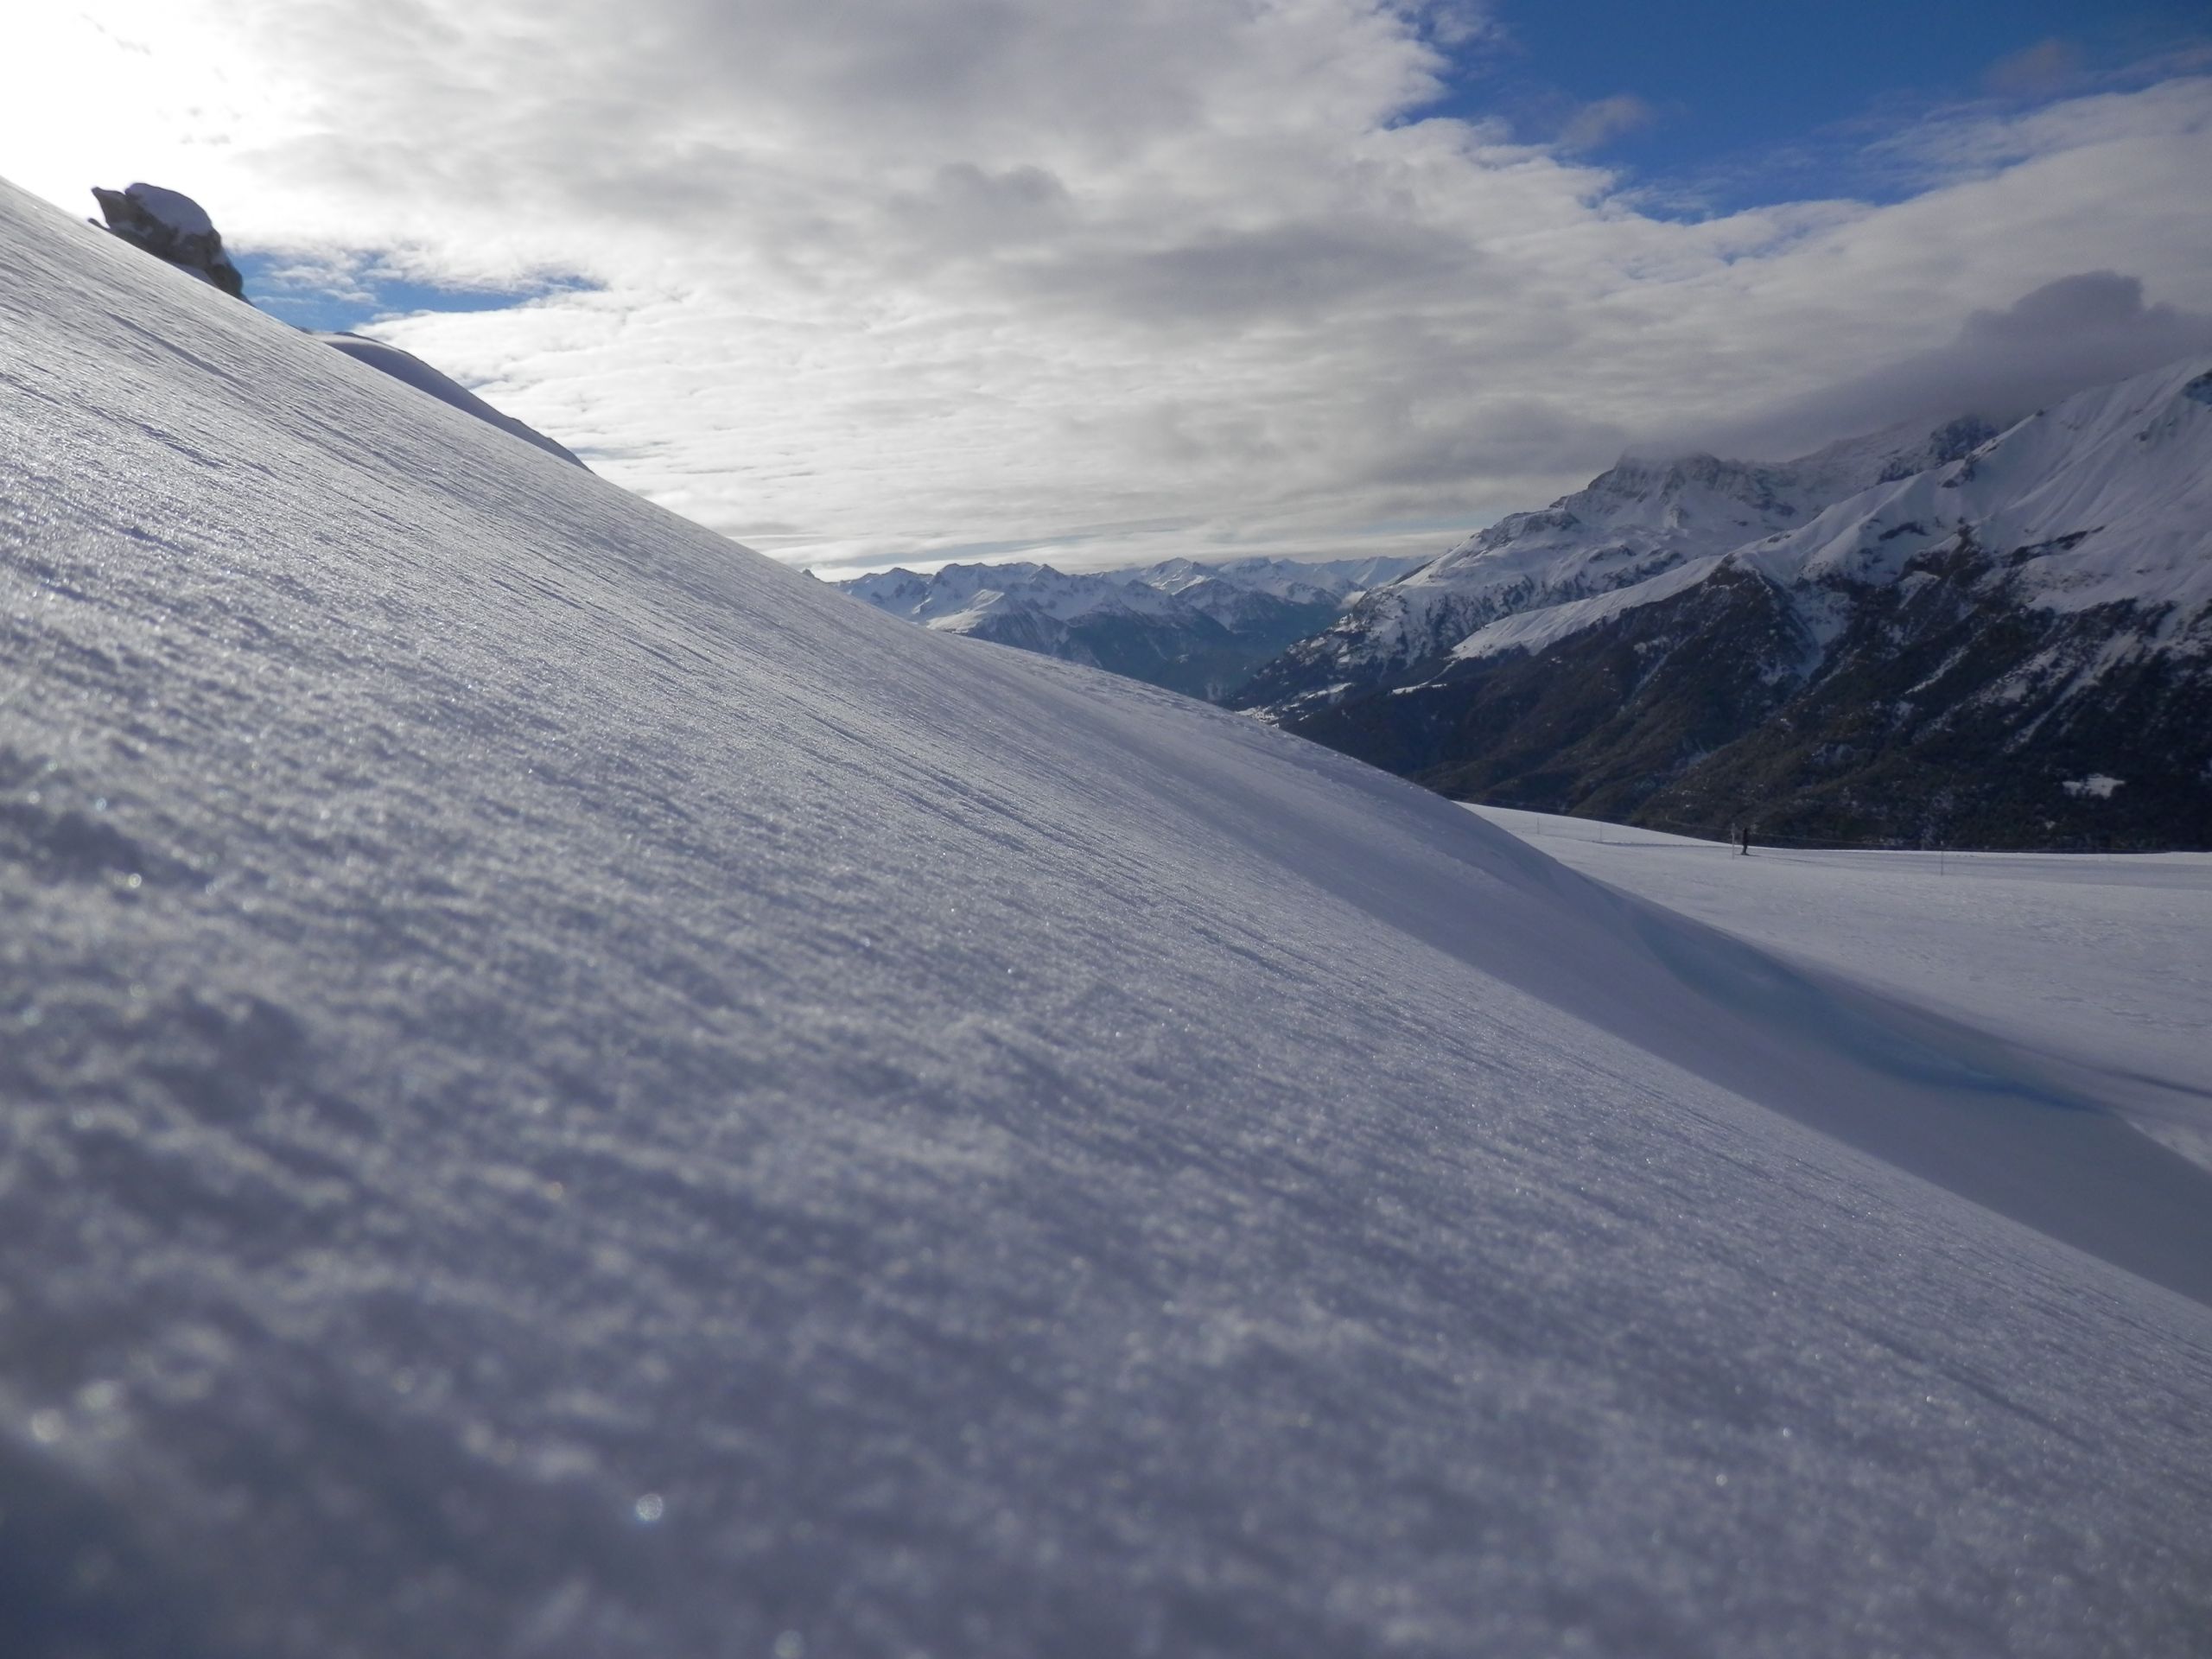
{"points": [[571, 1091]]}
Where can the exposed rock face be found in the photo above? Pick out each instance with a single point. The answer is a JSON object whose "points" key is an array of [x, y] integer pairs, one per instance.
{"points": [[174, 227]]}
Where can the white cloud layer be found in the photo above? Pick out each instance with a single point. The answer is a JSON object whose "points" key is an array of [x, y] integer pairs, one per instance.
{"points": [[2065, 335], [879, 281]]}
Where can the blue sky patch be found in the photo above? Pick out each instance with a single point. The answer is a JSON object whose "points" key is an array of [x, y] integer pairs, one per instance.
{"points": [[1710, 107], [338, 299]]}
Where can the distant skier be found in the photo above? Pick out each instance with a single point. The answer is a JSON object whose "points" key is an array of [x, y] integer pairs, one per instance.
{"points": [[1744, 839]]}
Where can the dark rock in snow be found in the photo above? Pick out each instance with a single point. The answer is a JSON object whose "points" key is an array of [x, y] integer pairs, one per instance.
{"points": [[171, 226]]}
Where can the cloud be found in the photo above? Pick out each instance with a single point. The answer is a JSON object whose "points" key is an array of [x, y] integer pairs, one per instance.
{"points": [[1608, 118], [1149, 275], [2063, 337]]}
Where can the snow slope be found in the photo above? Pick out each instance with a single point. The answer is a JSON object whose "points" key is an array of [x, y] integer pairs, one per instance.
{"points": [[411, 370], [569, 1090], [2100, 965]]}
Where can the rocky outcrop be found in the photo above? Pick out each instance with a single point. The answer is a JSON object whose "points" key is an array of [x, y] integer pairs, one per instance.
{"points": [[174, 227]]}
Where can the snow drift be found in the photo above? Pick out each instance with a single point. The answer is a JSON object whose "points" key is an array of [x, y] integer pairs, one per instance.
{"points": [[569, 1090]]}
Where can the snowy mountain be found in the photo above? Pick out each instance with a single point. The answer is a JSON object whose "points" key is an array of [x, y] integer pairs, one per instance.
{"points": [[1221, 587], [1640, 520], [1948, 652], [1196, 628], [568, 1091]]}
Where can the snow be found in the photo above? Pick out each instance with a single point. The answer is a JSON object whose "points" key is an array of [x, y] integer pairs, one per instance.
{"points": [[2099, 501], [1532, 629], [407, 367], [2098, 784], [172, 208], [958, 596], [1300, 581], [570, 1091], [1634, 532], [2099, 965]]}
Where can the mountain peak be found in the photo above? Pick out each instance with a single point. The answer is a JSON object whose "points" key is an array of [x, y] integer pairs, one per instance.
{"points": [[1894, 591]]}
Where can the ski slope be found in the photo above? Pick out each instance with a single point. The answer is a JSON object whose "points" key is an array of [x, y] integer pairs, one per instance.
{"points": [[567, 1090], [2099, 967]]}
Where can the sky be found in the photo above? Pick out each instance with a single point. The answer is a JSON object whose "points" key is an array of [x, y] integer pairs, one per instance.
{"points": [[863, 281]]}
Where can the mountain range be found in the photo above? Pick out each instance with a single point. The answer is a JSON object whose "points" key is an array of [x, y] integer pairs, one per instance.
{"points": [[1201, 629], [1967, 634]]}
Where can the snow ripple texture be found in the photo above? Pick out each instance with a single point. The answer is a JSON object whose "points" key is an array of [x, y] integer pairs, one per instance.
{"points": [[568, 1091]]}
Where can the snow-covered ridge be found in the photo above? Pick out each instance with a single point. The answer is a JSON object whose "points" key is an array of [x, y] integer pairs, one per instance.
{"points": [[1641, 520], [957, 596], [569, 1092], [1936, 637], [406, 367], [2104, 499], [1193, 627], [955, 591], [1342, 580]]}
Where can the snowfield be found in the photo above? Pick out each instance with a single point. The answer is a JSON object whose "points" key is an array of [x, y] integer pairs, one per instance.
{"points": [[569, 1090], [2098, 967]]}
